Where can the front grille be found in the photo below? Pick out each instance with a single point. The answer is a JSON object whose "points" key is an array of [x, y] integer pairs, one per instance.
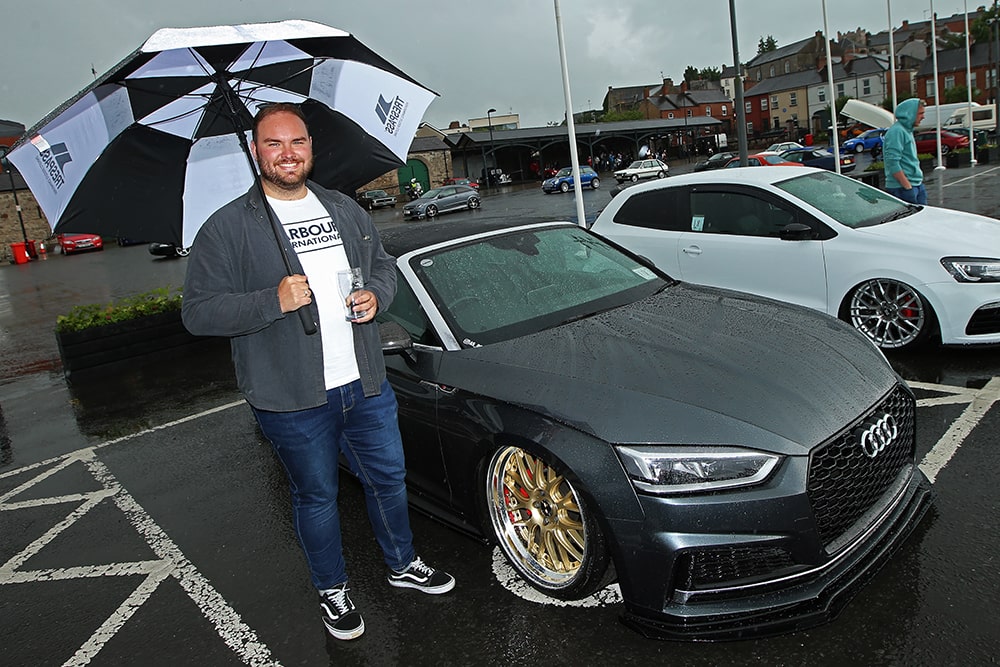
{"points": [[704, 569], [986, 320], [844, 481]]}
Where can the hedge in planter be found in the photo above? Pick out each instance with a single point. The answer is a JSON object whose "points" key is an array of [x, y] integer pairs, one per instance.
{"points": [[130, 329]]}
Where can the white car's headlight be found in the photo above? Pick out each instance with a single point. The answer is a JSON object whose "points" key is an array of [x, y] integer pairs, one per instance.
{"points": [[661, 470], [973, 269]]}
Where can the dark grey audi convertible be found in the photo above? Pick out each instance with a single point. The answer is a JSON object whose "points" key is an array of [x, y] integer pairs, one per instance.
{"points": [[738, 465]]}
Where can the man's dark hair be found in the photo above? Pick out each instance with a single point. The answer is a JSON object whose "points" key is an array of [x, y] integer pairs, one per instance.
{"points": [[277, 107]]}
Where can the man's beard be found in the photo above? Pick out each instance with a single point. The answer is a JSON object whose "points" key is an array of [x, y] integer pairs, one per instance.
{"points": [[285, 181]]}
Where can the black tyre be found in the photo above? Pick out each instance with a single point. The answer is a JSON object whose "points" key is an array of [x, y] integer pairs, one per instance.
{"points": [[564, 186], [859, 148], [431, 211], [543, 525], [892, 314], [661, 174], [634, 178], [595, 183], [945, 149], [473, 202]]}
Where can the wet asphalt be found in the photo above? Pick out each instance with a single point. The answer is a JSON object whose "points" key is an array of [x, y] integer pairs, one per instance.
{"points": [[143, 519]]}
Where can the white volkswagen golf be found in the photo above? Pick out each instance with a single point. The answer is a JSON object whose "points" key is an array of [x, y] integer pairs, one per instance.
{"points": [[899, 273]]}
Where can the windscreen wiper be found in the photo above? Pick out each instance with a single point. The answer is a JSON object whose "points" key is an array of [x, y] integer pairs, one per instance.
{"points": [[909, 210]]}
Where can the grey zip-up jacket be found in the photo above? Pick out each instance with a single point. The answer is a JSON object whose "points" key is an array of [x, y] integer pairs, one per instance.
{"points": [[231, 289]]}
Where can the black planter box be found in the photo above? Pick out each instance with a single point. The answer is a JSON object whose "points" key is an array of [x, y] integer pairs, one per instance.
{"points": [[134, 341], [954, 160], [872, 178]]}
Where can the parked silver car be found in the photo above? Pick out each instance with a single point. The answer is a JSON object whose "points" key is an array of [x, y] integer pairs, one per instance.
{"points": [[442, 200]]}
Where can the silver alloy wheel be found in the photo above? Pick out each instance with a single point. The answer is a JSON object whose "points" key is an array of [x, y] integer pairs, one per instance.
{"points": [[431, 211], [182, 252], [635, 177], [889, 312], [595, 183], [537, 518], [564, 186], [860, 148], [473, 202]]}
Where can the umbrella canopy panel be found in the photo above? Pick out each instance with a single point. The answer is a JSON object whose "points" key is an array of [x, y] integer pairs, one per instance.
{"points": [[152, 148]]}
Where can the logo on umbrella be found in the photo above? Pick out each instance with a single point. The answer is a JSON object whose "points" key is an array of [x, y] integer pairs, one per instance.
{"points": [[390, 113], [53, 158]]}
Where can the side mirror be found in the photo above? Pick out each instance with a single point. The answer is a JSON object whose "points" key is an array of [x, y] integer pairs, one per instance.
{"points": [[395, 339], [796, 231]]}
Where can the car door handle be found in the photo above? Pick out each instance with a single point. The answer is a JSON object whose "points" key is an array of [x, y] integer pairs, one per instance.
{"points": [[691, 250]]}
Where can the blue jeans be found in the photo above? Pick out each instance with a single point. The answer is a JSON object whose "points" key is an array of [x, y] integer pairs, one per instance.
{"points": [[915, 195], [309, 442]]}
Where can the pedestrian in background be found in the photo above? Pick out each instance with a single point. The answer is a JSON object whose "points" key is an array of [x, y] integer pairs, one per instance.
{"points": [[903, 177], [315, 397]]}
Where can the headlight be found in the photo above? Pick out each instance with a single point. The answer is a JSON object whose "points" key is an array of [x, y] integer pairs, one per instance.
{"points": [[665, 471], [973, 269]]}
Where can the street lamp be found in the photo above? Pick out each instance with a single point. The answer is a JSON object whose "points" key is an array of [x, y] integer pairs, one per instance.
{"points": [[489, 121]]}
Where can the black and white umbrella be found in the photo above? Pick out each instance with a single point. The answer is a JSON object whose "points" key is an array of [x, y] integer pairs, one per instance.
{"points": [[154, 146]]}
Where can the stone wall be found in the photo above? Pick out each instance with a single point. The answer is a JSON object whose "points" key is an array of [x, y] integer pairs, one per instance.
{"points": [[35, 224], [439, 167]]}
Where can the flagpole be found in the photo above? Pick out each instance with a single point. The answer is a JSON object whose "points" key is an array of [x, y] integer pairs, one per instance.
{"points": [[968, 86], [835, 139], [892, 54], [937, 86], [570, 125]]}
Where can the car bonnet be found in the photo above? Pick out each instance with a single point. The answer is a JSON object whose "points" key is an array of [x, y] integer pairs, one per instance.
{"points": [[691, 365], [943, 232]]}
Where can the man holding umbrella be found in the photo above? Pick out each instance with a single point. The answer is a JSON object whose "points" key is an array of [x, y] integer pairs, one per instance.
{"points": [[314, 396]]}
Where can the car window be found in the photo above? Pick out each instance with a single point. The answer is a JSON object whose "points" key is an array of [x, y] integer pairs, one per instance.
{"points": [[407, 312], [663, 208], [737, 213], [523, 282], [846, 200]]}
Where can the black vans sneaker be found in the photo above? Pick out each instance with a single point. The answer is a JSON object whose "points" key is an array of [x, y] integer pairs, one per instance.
{"points": [[341, 617], [423, 577]]}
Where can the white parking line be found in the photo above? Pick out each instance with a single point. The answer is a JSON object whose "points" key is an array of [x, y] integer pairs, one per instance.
{"points": [[240, 638], [980, 403], [972, 177]]}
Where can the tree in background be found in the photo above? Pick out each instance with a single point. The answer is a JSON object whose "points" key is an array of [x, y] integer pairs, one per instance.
{"points": [[981, 30], [692, 73], [766, 45], [900, 96], [959, 94]]}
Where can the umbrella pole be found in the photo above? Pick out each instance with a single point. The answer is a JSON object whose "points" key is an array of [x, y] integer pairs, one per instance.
{"points": [[308, 325]]}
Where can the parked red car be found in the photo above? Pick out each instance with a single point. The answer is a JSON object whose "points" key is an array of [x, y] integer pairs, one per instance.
{"points": [[763, 160], [927, 141], [69, 243], [460, 181]]}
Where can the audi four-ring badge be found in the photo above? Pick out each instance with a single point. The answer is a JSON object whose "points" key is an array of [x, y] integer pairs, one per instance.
{"points": [[738, 465], [877, 435]]}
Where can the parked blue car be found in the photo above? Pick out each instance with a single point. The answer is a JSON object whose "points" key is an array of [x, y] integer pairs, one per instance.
{"points": [[563, 180], [866, 141]]}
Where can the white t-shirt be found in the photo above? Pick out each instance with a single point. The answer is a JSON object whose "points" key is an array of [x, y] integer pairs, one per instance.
{"points": [[316, 241]]}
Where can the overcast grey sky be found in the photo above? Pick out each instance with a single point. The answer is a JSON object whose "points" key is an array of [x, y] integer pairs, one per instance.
{"points": [[476, 54]]}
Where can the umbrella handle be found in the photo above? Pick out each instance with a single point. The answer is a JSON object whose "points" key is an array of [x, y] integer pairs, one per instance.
{"points": [[307, 322]]}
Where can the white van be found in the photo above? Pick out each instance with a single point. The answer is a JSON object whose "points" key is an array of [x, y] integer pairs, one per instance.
{"points": [[983, 118], [946, 112]]}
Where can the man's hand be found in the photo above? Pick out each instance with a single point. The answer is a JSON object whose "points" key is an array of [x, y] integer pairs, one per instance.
{"points": [[294, 292], [365, 302]]}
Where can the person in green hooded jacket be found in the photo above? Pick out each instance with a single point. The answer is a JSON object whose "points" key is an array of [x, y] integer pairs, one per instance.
{"points": [[903, 177]]}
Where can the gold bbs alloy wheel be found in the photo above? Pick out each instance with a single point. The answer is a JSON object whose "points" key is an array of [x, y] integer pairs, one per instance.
{"points": [[537, 518]]}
